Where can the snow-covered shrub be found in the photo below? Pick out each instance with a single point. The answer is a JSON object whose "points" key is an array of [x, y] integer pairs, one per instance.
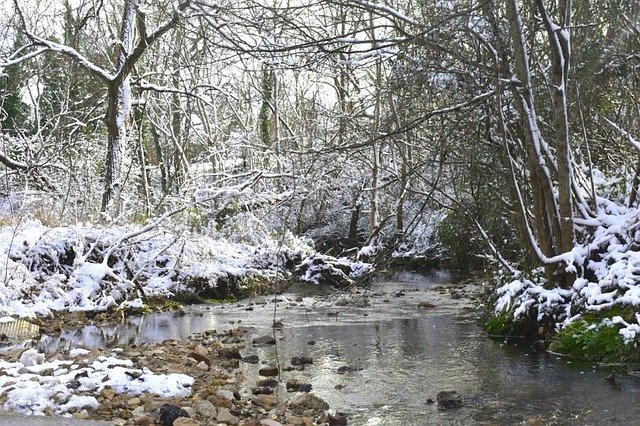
{"points": [[607, 264], [96, 268]]}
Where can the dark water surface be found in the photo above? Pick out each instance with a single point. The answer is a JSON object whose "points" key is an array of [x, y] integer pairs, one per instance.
{"points": [[403, 355]]}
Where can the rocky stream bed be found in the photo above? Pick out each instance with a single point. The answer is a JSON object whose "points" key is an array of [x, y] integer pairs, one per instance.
{"points": [[381, 355]]}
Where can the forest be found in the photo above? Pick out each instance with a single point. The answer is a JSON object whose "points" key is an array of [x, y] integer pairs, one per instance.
{"points": [[188, 151]]}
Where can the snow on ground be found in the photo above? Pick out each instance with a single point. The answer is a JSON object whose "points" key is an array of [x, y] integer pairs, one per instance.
{"points": [[91, 268], [34, 385], [46, 269], [608, 275]]}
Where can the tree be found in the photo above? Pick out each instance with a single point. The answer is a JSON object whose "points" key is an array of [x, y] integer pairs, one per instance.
{"points": [[134, 40]]}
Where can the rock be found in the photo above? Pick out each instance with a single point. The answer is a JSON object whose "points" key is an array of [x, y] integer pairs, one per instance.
{"points": [[309, 401], [225, 416], [262, 390], [426, 305], [205, 409], [269, 371], [108, 393], [169, 413], [264, 340], [269, 422], [145, 421], [337, 419], [225, 393], [294, 385], [449, 399], [305, 387], [229, 353], [347, 369], [272, 383], [294, 421], [133, 402], [185, 421], [31, 357], [200, 357], [219, 401], [456, 295], [301, 360], [311, 342], [266, 401], [81, 415], [138, 411], [250, 359]]}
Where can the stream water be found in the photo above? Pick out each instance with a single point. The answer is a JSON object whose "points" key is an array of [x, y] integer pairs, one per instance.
{"points": [[402, 355]]}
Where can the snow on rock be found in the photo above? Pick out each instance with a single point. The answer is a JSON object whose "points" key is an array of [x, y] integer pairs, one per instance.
{"points": [[31, 357], [32, 388], [340, 273]]}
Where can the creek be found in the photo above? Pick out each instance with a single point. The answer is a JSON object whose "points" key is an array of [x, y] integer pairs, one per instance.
{"points": [[401, 353]]}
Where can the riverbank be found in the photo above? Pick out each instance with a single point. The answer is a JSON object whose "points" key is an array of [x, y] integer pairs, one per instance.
{"points": [[47, 271], [597, 316], [202, 371]]}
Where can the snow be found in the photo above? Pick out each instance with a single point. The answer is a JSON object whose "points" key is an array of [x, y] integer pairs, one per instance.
{"points": [[30, 391], [608, 274], [45, 269]]}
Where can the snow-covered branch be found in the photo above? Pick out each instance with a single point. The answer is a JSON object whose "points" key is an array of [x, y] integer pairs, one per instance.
{"points": [[633, 141]]}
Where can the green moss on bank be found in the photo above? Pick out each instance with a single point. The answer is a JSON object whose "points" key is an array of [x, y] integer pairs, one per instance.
{"points": [[591, 340], [597, 343], [504, 325]]}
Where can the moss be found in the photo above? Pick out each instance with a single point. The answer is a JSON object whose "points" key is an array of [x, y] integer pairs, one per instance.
{"points": [[602, 343], [628, 313], [228, 299], [504, 325]]}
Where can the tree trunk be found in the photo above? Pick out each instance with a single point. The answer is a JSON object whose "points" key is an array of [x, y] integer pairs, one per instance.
{"points": [[119, 105]]}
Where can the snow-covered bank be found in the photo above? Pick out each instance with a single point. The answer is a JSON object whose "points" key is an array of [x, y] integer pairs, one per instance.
{"points": [[607, 266], [91, 268]]}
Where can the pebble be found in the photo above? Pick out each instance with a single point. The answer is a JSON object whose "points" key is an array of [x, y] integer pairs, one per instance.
{"points": [[133, 402], [205, 409], [185, 421], [225, 416], [264, 340], [269, 371]]}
